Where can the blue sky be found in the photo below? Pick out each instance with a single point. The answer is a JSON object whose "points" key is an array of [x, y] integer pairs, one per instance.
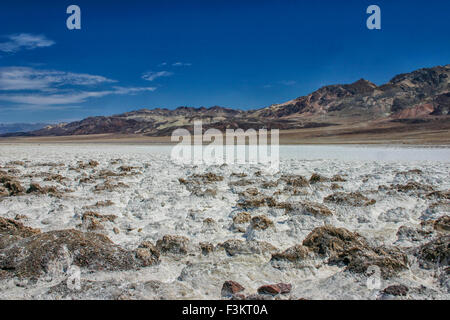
{"points": [[240, 54]]}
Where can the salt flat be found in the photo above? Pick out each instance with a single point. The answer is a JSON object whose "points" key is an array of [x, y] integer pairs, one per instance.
{"points": [[373, 191]]}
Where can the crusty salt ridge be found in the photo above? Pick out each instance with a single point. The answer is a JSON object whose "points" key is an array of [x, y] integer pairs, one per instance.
{"points": [[150, 202]]}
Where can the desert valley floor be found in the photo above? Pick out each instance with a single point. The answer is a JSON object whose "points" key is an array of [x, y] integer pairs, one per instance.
{"points": [[140, 226]]}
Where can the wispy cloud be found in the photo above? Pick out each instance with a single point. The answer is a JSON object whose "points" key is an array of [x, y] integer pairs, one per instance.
{"points": [[25, 78], [181, 64], [31, 107], [24, 41], [132, 90], [288, 82], [150, 75], [39, 99], [53, 99], [29, 86]]}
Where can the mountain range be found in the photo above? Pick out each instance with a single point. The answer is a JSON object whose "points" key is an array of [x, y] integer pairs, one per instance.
{"points": [[407, 100], [20, 127]]}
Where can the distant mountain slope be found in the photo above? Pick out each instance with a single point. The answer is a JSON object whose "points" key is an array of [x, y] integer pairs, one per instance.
{"points": [[20, 127], [421, 95], [424, 89]]}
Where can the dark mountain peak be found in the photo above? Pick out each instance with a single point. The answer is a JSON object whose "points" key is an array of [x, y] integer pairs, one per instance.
{"points": [[360, 86], [428, 76]]}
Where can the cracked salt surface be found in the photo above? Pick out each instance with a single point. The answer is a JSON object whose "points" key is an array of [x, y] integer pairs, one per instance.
{"points": [[154, 203]]}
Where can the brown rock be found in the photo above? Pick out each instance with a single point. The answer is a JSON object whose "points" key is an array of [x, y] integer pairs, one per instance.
{"points": [[173, 244], [274, 289], [412, 186], [207, 177], [200, 192], [261, 223], [338, 178], [396, 290], [316, 209], [241, 183], [253, 203], [249, 192], [435, 253], [14, 187], [335, 186], [292, 254], [12, 230], [351, 249], [442, 224], [147, 253], [442, 195], [93, 220], [329, 240], [240, 175], [206, 248], [34, 256], [209, 221], [231, 287], [126, 168], [35, 188], [3, 192], [355, 199], [413, 234], [105, 203], [269, 289], [283, 205], [5, 177], [284, 287], [109, 186], [295, 180], [269, 184], [55, 177], [242, 217], [16, 163], [19, 217], [315, 178], [236, 247], [390, 260], [93, 163]]}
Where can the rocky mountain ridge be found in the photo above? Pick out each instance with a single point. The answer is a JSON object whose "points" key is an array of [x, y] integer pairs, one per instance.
{"points": [[421, 95]]}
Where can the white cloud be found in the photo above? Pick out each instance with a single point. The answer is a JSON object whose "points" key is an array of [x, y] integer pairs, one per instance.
{"points": [[29, 86], [25, 78], [150, 76], [53, 99], [24, 41], [69, 97], [30, 107], [288, 82], [181, 64], [132, 90]]}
